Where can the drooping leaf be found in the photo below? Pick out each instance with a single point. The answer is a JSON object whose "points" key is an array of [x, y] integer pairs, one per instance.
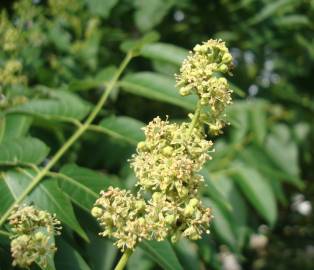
{"points": [[82, 185], [162, 253], [258, 191], [23, 150], [124, 128], [46, 195], [158, 87]]}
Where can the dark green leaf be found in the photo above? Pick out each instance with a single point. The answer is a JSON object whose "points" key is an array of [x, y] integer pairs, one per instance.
{"points": [[16, 125], [223, 225], [162, 253], [68, 258], [23, 150], [258, 191], [62, 104], [82, 185], [123, 127]]}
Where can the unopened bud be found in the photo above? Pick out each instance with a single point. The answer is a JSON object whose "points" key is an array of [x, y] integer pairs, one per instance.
{"points": [[96, 212], [167, 151]]}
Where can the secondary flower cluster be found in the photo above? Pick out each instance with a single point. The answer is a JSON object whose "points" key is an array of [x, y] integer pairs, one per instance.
{"points": [[168, 161], [33, 233], [201, 72]]}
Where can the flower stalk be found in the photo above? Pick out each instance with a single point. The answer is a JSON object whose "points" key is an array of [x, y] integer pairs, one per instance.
{"points": [[123, 260]]}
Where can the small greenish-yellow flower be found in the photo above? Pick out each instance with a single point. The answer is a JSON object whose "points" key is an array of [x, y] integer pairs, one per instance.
{"points": [[10, 73], [33, 233], [119, 212], [171, 157], [201, 73]]}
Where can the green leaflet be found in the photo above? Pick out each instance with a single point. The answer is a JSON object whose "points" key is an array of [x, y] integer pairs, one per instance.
{"points": [[23, 150], [162, 253], [124, 128], [157, 87], [82, 185], [257, 191], [61, 104]]}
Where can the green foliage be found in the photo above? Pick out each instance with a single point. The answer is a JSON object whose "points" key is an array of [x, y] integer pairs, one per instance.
{"points": [[67, 52]]}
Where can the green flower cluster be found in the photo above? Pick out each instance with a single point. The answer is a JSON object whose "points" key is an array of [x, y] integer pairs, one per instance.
{"points": [[118, 212], [200, 73], [33, 233], [168, 161]]}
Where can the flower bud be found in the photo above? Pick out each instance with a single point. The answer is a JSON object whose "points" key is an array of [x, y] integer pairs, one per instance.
{"points": [[170, 219], [96, 212], [193, 202], [188, 211], [223, 68], [185, 91], [156, 196], [140, 205], [141, 146], [167, 151], [227, 58]]}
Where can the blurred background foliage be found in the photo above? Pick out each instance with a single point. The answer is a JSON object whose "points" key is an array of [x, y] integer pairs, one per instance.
{"points": [[56, 57]]}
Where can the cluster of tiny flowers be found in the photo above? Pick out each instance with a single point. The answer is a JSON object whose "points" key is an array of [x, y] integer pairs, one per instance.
{"points": [[201, 73], [166, 165], [32, 236], [168, 161], [169, 157], [10, 73], [119, 212]]}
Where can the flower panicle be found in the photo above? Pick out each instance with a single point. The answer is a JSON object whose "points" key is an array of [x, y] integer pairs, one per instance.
{"points": [[33, 234], [168, 162]]}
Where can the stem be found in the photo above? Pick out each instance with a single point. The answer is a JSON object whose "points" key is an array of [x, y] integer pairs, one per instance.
{"points": [[195, 117], [81, 129], [123, 260]]}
